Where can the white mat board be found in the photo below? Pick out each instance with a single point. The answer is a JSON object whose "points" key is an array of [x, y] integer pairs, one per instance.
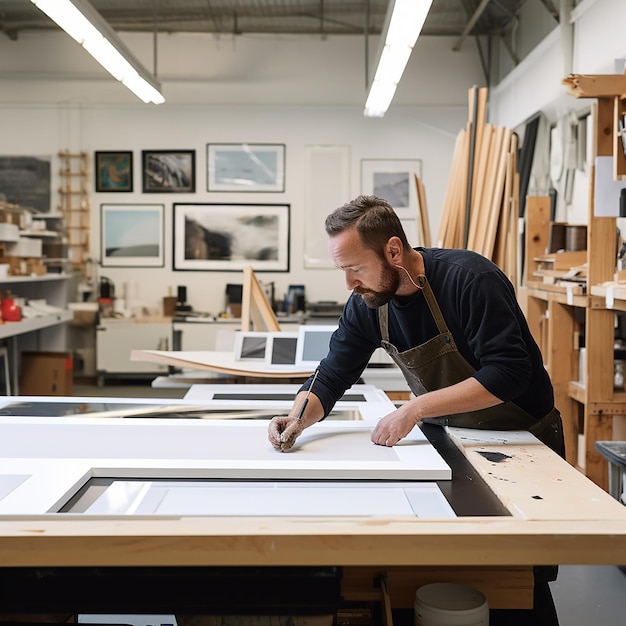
{"points": [[224, 449]]}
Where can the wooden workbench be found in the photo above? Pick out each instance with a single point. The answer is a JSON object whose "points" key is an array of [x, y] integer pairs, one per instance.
{"points": [[557, 517]]}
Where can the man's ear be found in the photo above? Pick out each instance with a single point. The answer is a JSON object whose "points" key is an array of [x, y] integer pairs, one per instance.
{"points": [[394, 250]]}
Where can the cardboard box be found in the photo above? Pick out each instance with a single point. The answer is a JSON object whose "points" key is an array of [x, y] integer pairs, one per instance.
{"points": [[47, 374], [19, 266]]}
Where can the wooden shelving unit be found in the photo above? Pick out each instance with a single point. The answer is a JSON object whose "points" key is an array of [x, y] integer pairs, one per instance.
{"points": [[558, 314], [75, 208]]}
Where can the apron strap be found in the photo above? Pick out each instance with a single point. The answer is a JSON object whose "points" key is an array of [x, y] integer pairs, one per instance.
{"points": [[383, 322], [433, 305], [431, 301]]}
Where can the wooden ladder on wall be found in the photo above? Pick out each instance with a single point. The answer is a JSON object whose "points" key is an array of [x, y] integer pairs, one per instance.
{"points": [[75, 208]]}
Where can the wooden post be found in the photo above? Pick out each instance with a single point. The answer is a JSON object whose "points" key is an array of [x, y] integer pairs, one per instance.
{"points": [[537, 232], [254, 305], [423, 225]]}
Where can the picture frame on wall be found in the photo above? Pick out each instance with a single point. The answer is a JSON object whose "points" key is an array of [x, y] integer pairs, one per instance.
{"points": [[168, 171], [229, 237], [257, 167], [114, 171], [132, 235], [27, 181], [394, 181]]}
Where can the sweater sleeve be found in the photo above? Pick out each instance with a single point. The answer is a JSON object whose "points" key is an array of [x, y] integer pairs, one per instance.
{"points": [[494, 334], [350, 349]]}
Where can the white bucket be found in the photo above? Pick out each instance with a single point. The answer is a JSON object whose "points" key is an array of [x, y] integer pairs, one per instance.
{"points": [[448, 604]]}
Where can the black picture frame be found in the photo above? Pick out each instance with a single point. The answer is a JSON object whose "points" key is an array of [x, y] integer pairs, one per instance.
{"points": [[113, 171], [168, 171], [132, 235], [228, 237]]}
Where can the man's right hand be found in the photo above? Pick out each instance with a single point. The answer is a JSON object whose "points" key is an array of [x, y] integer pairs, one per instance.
{"points": [[283, 430]]}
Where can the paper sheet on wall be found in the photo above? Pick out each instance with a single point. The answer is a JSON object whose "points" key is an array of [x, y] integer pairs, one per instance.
{"points": [[606, 189]]}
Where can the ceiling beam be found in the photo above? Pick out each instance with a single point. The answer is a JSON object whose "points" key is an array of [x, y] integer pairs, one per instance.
{"points": [[470, 25]]}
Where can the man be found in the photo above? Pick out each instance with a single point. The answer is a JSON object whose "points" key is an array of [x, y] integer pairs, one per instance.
{"points": [[448, 318], [451, 321]]}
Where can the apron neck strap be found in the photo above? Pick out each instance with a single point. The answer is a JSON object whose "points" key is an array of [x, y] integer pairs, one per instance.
{"points": [[431, 301]]}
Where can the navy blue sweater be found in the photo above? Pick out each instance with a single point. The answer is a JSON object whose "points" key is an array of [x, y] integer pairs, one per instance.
{"points": [[480, 308]]}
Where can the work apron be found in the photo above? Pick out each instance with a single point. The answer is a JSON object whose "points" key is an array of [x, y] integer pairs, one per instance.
{"points": [[437, 363]]}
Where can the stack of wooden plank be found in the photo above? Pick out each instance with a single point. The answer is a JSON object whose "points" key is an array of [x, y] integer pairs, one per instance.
{"points": [[481, 203]]}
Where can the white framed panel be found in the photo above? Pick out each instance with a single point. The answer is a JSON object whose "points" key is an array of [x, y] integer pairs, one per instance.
{"points": [[251, 345], [313, 342], [60, 454], [270, 499], [281, 349]]}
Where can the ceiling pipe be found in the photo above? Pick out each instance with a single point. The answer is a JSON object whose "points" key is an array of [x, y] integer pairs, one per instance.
{"points": [[366, 30], [567, 35], [155, 30], [470, 25]]}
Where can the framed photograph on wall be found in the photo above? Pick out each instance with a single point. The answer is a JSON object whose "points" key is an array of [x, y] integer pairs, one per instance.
{"points": [[394, 181], [132, 235], [228, 237], [168, 171], [246, 167], [114, 171]]}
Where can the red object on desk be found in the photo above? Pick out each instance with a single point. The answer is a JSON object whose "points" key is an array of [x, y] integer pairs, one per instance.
{"points": [[10, 311]]}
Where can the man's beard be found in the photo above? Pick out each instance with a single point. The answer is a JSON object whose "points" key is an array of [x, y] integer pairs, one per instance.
{"points": [[390, 282]]}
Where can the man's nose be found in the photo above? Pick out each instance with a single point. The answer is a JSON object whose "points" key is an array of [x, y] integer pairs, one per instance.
{"points": [[351, 281]]}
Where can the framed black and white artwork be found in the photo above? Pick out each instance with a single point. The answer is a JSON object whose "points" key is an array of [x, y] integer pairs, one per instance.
{"points": [[229, 237]]}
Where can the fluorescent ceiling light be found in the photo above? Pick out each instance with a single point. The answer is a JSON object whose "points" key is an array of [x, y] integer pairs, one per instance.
{"points": [[82, 22], [403, 24]]}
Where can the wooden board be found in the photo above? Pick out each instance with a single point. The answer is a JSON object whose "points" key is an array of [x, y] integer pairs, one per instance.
{"points": [[537, 232], [500, 199], [223, 362], [255, 306], [452, 221], [423, 225]]}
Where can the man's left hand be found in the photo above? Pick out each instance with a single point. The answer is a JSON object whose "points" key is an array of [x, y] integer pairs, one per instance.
{"points": [[393, 427]]}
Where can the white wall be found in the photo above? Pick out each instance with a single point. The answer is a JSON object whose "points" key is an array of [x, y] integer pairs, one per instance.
{"points": [[535, 84], [297, 90], [294, 90]]}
